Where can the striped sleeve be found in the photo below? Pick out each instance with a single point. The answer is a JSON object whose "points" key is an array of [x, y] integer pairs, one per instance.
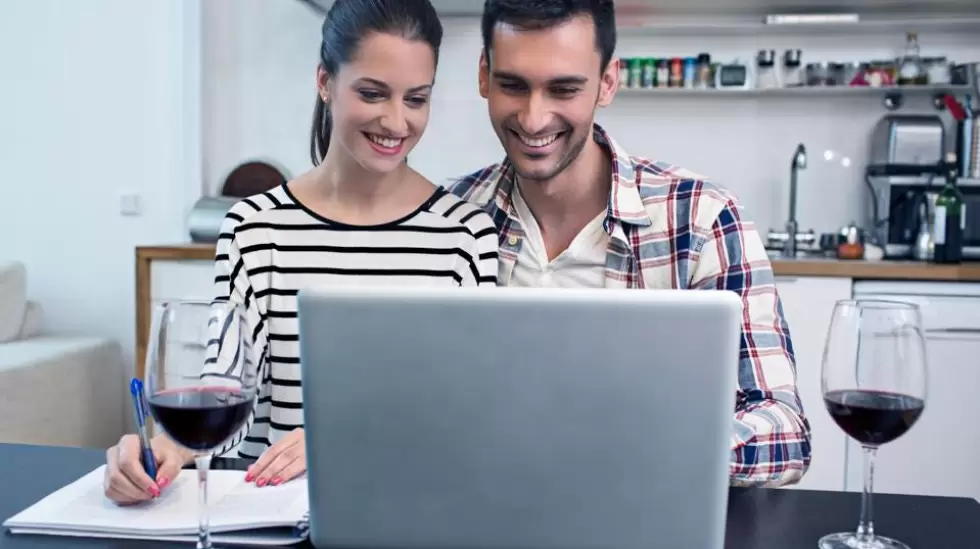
{"points": [[231, 283], [483, 266], [771, 437]]}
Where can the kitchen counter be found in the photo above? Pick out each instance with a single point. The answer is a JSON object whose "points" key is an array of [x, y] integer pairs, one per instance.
{"points": [[183, 271], [878, 270], [857, 270]]}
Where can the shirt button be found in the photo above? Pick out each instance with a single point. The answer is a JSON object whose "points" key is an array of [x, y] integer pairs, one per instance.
{"points": [[513, 240]]}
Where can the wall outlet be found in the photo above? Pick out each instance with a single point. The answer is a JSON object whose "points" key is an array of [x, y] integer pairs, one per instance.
{"points": [[130, 205]]}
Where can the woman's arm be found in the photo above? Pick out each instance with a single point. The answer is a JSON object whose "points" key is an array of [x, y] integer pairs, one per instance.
{"points": [[481, 268], [225, 356]]}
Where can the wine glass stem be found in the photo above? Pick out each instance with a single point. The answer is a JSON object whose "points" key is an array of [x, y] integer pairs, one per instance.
{"points": [[203, 464], [866, 528]]}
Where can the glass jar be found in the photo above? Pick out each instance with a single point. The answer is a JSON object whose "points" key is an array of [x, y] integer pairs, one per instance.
{"points": [[703, 77], [818, 74], [937, 69], [676, 72]]}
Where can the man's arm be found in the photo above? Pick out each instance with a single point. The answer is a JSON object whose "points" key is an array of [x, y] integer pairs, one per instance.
{"points": [[771, 439]]}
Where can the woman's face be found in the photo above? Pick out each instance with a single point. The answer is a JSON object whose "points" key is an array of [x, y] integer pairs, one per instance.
{"points": [[379, 101]]}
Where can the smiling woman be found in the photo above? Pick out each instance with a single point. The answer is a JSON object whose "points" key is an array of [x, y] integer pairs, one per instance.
{"points": [[386, 50], [360, 216]]}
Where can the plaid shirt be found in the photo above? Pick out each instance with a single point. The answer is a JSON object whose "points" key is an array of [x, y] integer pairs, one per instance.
{"points": [[669, 228]]}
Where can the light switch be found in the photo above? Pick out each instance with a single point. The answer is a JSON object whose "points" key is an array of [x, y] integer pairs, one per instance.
{"points": [[129, 205]]}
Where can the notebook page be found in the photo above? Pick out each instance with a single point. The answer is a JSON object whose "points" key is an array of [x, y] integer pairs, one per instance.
{"points": [[246, 505], [82, 505]]}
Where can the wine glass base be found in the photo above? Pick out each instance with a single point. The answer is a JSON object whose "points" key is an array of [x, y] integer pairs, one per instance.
{"points": [[849, 540]]}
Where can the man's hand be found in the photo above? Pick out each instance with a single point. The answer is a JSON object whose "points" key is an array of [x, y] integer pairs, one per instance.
{"points": [[282, 462]]}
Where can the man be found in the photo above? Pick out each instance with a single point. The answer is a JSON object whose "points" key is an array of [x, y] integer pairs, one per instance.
{"points": [[573, 209]]}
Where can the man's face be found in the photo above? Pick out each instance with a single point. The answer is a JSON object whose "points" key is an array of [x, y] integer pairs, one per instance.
{"points": [[542, 88]]}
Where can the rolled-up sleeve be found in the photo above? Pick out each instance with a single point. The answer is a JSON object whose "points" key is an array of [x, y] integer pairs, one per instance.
{"points": [[771, 438]]}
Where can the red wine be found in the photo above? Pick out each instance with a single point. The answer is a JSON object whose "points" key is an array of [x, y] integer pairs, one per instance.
{"points": [[873, 417], [201, 418]]}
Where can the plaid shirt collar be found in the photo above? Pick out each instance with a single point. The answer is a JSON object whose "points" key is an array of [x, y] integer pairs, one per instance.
{"points": [[625, 205]]}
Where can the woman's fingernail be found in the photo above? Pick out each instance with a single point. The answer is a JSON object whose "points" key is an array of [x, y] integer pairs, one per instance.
{"points": [[276, 481], [154, 491], [163, 482], [261, 482], [249, 477]]}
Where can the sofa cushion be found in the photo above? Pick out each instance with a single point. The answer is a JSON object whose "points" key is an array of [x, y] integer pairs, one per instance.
{"points": [[63, 391], [13, 299], [33, 319]]}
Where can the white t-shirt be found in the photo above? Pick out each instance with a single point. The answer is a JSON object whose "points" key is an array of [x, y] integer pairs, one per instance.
{"points": [[581, 265]]}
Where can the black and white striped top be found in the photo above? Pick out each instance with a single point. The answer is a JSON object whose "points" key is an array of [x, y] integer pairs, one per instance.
{"points": [[271, 246]]}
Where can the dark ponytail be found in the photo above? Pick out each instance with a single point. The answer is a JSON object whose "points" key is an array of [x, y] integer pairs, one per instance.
{"points": [[320, 134], [349, 21]]}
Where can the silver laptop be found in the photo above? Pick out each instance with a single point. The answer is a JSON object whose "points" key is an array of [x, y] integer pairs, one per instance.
{"points": [[514, 418]]}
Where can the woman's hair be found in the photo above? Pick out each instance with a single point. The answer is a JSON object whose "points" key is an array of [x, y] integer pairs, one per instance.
{"points": [[350, 21]]}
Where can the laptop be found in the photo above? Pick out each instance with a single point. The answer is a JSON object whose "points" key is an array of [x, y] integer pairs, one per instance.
{"points": [[517, 418]]}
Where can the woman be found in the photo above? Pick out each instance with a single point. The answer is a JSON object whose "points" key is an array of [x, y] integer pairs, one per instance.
{"points": [[361, 215]]}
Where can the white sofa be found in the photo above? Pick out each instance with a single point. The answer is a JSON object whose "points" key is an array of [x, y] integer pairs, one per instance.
{"points": [[57, 390]]}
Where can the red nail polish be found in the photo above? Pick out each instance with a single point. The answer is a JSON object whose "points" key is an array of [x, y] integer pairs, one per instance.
{"points": [[163, 482], [261, 482], [155, 491], [276, 481], [249, 477]]}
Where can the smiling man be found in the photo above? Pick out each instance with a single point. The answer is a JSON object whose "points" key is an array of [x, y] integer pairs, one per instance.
{"points": [[575, 210]]}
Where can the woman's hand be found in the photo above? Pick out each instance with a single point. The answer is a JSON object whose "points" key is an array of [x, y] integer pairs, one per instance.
{"points": [[126, 482], [282, 462]]}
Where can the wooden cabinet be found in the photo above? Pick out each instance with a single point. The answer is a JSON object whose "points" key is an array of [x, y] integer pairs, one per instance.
{"points": [[169, 273], [807, 304]]}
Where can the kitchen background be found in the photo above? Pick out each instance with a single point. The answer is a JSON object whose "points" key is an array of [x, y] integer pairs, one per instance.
{"points": [[259, 60], [117, 116]]}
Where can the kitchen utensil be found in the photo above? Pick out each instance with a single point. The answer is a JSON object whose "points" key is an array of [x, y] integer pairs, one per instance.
{"points": [[924, 243], [205, 218], [851, 245], [251, 178]]}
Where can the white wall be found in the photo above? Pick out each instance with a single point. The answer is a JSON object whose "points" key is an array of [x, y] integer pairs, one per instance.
{"points": [[99, 98], [259, 103], [161, 99]]}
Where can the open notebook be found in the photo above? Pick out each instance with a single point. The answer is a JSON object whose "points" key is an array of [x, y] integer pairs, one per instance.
{"points": [[241, 514]]}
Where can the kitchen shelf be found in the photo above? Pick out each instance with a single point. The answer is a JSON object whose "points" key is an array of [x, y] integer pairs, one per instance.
{"points": [[679, 26], [802, 91]]}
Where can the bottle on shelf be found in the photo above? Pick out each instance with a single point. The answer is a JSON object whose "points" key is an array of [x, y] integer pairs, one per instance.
{"points": [[950, 217], [911, 71]]}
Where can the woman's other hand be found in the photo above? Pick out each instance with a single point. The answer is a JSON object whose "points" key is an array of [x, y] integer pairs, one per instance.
{"points": [[282, 462]]}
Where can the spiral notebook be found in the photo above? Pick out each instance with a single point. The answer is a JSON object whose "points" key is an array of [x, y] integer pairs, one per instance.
{"points": [[241, 513]]}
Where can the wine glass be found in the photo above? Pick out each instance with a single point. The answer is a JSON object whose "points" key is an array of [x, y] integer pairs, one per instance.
{"points": [[874, 386], [201, 382]]}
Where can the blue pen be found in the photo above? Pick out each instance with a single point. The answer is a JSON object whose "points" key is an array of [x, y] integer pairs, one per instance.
{"points": [[139, 406]]}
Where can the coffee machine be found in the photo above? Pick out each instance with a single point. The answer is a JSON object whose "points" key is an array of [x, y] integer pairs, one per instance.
{"points": [[904, 176]]}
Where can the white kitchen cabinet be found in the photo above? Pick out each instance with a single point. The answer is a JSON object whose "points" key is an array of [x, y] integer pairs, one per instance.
{"points": [[808, 303], [175, 279], [940, 455]]}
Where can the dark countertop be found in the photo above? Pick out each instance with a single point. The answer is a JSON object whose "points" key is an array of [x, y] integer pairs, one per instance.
{"points": [[757, 518]]}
